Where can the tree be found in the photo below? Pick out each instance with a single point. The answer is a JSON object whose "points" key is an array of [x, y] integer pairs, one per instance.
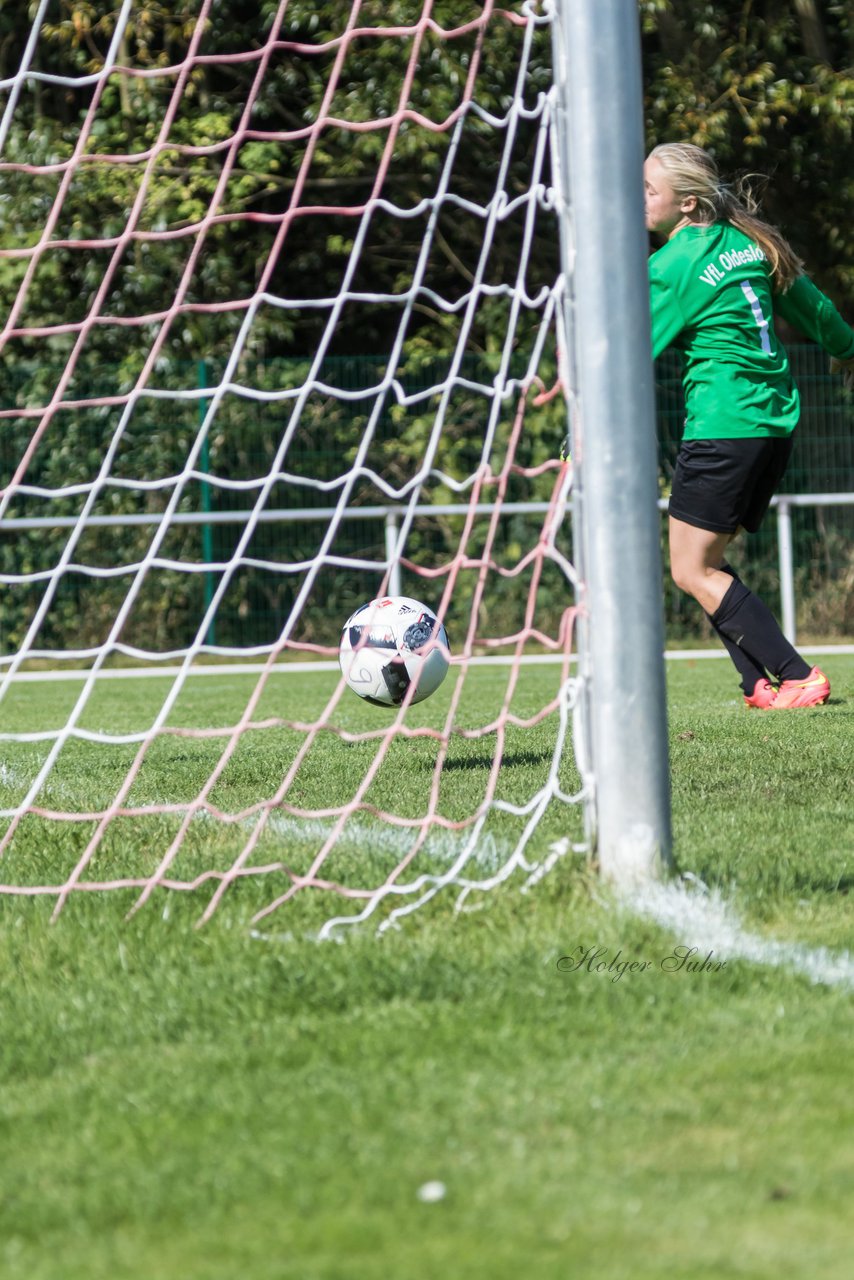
{"points": [[91, 267], [767, 86]]}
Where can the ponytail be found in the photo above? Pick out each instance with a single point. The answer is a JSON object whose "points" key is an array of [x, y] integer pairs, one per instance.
{"points": [[691, 172]]}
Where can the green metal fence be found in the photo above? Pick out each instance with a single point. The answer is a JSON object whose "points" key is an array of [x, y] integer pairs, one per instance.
{"points": [[240, 450]]}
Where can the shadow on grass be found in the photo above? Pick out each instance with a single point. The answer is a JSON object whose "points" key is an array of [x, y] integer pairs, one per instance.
{"points": [[512, 758]]}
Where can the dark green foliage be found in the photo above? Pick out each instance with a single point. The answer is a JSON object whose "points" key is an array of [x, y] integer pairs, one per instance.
{"points": [[763, 86], [769, 88]]}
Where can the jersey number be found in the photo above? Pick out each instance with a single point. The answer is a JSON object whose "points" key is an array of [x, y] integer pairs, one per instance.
{"points": [[758, 315]]}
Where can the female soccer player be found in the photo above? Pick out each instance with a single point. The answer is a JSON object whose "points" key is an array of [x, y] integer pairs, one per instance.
{"points": [[715, 286]]}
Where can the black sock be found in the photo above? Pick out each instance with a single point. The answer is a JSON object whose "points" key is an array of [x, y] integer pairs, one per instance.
{"points": [[751, 672], [750, 624]]}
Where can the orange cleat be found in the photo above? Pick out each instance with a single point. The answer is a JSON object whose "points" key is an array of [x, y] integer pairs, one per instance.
{"points": [[763, 695], [810, 692]]}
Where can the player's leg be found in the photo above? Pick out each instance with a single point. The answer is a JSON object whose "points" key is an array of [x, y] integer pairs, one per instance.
{"points": [[750, 624], [757, 688], [699, 568], [718, 486], [696, 556], [698, 564]]}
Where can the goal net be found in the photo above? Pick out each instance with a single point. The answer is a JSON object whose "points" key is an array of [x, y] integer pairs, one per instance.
{"points": [[281, 306]]}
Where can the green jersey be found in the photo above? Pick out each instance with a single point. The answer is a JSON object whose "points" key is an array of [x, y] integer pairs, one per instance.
{"points": [[712, 300]]}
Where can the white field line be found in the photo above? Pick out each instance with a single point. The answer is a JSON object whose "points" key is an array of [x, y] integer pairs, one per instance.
{"points": [[12, 776], [358, 835], [376, 838], [365, 836], [693, 914], [299, 668], [702, 918]]}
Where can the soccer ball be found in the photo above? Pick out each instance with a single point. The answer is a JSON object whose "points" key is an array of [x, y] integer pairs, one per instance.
{"points": [[388, 645]]}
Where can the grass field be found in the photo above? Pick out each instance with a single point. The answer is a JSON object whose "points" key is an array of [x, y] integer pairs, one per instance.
{"points": [[207, 1104]]}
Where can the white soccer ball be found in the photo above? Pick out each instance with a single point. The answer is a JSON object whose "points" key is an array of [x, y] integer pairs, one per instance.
{"points": [[388, 645]]}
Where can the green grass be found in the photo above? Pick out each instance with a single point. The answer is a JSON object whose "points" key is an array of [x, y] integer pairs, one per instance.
{"points": [[205, 1104]]}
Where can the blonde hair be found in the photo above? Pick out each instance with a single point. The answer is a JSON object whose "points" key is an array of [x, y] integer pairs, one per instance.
{"points": [[691, 172]]}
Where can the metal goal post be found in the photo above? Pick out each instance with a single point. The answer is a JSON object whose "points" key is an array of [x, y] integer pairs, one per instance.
{"points": [[612, 402]]}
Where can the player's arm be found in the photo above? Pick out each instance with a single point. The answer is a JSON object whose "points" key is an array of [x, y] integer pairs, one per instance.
{"points": [[808, 309], [667, 318]]}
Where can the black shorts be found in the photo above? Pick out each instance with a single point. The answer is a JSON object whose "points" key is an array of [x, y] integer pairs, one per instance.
{"points": [[721, 485]]}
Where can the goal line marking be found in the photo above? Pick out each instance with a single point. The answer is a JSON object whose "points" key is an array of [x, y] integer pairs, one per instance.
{"points": [[702, 917]]}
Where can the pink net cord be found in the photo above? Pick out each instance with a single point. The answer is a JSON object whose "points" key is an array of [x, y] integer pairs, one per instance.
{"points": [[475, 553]]}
